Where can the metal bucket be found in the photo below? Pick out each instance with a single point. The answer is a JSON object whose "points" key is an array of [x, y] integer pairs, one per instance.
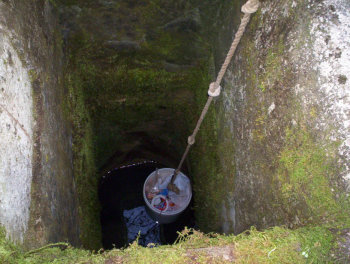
{"points": [[174, 204]]}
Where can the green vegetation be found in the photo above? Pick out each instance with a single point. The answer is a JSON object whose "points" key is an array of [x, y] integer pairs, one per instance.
{"points": [[276, 245], [305, 175]]}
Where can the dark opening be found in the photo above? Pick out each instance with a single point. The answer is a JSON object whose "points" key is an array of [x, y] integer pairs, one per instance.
{"points": [[121, 189]]}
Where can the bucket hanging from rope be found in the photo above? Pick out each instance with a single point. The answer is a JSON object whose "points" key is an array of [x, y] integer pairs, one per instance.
{"points": [[167, 192], [164, 205]]}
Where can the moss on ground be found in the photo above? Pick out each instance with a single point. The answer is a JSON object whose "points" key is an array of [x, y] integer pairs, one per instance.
{"points": [[276, 245]]}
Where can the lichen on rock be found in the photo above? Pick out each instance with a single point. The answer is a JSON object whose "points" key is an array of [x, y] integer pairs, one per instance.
{"points": [[288, 80], [16, 141], [37, 169]]}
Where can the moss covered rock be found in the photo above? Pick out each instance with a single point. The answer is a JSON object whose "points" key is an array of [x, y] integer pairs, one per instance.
{"points": [[47, 191], [283, 127]]}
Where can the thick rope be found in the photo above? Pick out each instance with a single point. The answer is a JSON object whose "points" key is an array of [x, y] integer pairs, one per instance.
{"points": [[251, 6]]}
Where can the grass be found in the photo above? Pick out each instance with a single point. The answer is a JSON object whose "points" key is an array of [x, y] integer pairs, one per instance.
{"points": [[275, 245]]}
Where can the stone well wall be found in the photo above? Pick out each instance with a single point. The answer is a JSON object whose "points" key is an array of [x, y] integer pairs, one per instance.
{"points": [[283, 118], [37, 197]]}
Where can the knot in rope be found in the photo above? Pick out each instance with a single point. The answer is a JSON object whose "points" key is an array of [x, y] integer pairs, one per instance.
{"points": [[191, 140], [250, 7], [214, 89]]}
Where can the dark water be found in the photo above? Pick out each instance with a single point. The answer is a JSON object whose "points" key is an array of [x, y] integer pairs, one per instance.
{"points": [[120, 190]]}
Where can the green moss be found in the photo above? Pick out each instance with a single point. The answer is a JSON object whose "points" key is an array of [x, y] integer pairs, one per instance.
{"points": [[259, 131], [8, 250], [33, 75], [208, 178], [305, 175], [85, 172], [115, 97], [276, 245], [273, 66], [280, 245]]}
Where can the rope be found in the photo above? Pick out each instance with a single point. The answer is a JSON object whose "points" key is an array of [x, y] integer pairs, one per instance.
{"points": [[250, 7]]}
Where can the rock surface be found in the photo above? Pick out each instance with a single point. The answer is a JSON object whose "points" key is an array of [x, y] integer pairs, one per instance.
{"points": [[341, 253], [16, 140], [275, 150], [121, 46], [37, 198], [284, 117]]}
